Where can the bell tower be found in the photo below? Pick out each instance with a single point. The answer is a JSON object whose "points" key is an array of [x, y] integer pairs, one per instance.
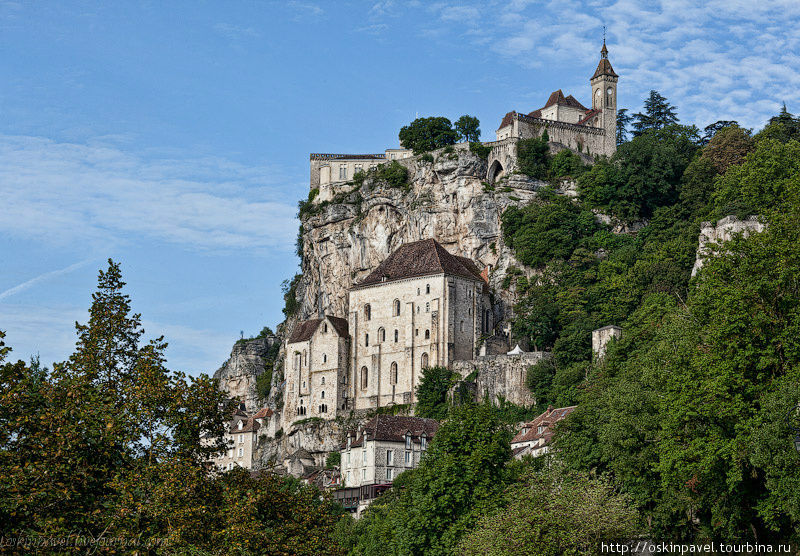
{"points": [[604, 99]]}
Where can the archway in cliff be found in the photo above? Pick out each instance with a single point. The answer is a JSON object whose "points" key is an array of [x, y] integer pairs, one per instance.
{"points": [[495, 172]]}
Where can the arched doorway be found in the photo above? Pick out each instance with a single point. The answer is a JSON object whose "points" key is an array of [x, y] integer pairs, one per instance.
{"points": [[496, 172]]}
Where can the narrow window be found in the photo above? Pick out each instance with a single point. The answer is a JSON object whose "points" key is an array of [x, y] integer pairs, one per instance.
{"points": [[427, 307], [366, 340], [427, 334], [389, 474], [424, 361], [364, 373], [396, 335], [408, 458], [427, 288], [367, 312], [423, 442], [363, 474], [389, 457], [325, 328], [324, 357], [322, 396], [393, 373], [396, 307], [408, 441], [322, 381], [381, 335], [342, 172]]}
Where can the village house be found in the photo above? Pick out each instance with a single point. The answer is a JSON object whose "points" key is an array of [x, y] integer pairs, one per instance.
{"points": [[534, 437], [376, 454]]}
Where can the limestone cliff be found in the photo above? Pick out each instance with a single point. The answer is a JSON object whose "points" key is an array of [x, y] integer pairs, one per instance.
{"points": [[712, 234], [248, 360], [447, 199]]}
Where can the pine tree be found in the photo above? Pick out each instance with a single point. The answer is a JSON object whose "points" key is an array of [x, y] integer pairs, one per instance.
{"points": [[658, 113], [623, 119]]}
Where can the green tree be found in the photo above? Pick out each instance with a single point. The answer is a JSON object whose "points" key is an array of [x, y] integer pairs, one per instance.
{"points": [[468, 128], [533, 156], [427, 134], [432, 392], [623, 121], [658, 114], [553, 511], [459, 480]]}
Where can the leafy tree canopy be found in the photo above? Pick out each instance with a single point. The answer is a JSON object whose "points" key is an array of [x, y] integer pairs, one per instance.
{"points": [[426, 134], [468, 128]]}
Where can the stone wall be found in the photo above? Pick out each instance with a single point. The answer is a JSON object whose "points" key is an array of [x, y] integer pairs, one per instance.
{"points": [[501, 375]]}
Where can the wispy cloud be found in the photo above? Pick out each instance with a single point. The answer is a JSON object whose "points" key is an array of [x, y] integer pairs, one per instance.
{"points": [[236, 32], [99, 194], [306, 9], [722, 59], [43, 278]]}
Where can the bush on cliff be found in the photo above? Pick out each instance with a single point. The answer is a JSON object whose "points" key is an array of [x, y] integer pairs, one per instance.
{"points": [[427, 134]]}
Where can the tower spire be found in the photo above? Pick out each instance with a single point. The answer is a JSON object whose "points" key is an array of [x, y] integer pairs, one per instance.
{"points": [[604, 51]]}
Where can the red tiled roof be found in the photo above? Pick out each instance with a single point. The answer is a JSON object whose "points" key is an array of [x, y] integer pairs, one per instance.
{"points": [[548, 419], [589, 115], [556, 97], [264, 413], [421, 258], [536, 113], [393, 428]]}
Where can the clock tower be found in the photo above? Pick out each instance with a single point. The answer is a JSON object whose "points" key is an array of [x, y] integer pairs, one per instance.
{"points": [[604, 99]]}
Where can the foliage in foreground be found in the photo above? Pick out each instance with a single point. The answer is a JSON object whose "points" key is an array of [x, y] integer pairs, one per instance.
{"points": [[108, 444]]}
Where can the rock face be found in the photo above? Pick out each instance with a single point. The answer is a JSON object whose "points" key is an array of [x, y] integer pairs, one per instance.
{"points": [[447, 199], [713, 234], [238, 375]]}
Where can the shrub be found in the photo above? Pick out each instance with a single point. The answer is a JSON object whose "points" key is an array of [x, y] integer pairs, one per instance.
{"points": [[427, 157], [533, 157], [393, 173], [480, 150]]}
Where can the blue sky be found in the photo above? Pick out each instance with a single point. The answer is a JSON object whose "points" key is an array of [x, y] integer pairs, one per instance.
{"points": [[174, 136]]}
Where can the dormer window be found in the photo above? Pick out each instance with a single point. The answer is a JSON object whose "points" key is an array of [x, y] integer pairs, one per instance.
{"points": [[540, 429], [241, 425], [408, 440]]}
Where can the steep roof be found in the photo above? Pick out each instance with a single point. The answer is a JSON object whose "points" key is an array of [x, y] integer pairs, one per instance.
{"points": [[304, 330], [548, 419], [249, 425], [393, 428], [421, 258], [340, 325], [264, 413], [589, 115], [604, 68], [508, 119]]}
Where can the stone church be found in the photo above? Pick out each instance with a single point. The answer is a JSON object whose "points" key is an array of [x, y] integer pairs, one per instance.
{"points": [[422, 306]]}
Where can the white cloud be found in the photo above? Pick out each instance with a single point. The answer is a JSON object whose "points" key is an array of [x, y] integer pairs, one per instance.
{"points": [[717, 59], [100, 195]]}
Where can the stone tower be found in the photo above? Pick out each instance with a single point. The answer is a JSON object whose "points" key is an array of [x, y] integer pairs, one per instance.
{"points": [[604, 99]]}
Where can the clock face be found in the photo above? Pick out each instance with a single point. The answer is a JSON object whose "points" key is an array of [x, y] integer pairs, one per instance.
{"points": [[609, 90]]}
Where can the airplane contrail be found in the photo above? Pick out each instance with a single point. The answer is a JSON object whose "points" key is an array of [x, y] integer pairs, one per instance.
{"points": [[43, 278]]}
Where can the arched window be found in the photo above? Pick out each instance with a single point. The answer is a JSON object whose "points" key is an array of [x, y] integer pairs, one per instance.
{"points": [[366, 340], [427, 288], [393, 373], [367, 312], [396, 335], [322, 396], [427, 307], [427, 334], [324, 357], [381, 335], [424, 361], [609, 94], [364, 378], [396, 307], [322, 381]]}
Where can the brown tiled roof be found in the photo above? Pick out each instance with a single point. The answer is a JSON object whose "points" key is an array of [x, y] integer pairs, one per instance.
{"points": [[250, 425], [264, 413], [508, 119], [421, 258], [304, 330], [547, 420], [604, 68], [393, 428], [340, 325], [536, 113]]}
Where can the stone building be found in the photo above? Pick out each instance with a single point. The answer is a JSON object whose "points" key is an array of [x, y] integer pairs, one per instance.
{"points": [[242, 438], [568, 122], [420, 307], [317, 355], [331, 169], [601, 337], [534, 437], [375, 455]]}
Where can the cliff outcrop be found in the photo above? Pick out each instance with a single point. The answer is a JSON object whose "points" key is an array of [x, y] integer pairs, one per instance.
{"points": [[239, 374], [447, 199]]}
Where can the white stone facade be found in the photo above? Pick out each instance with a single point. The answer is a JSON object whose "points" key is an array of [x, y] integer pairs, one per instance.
{"points": [[401, 327], [329, 170], [601, 337]]}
